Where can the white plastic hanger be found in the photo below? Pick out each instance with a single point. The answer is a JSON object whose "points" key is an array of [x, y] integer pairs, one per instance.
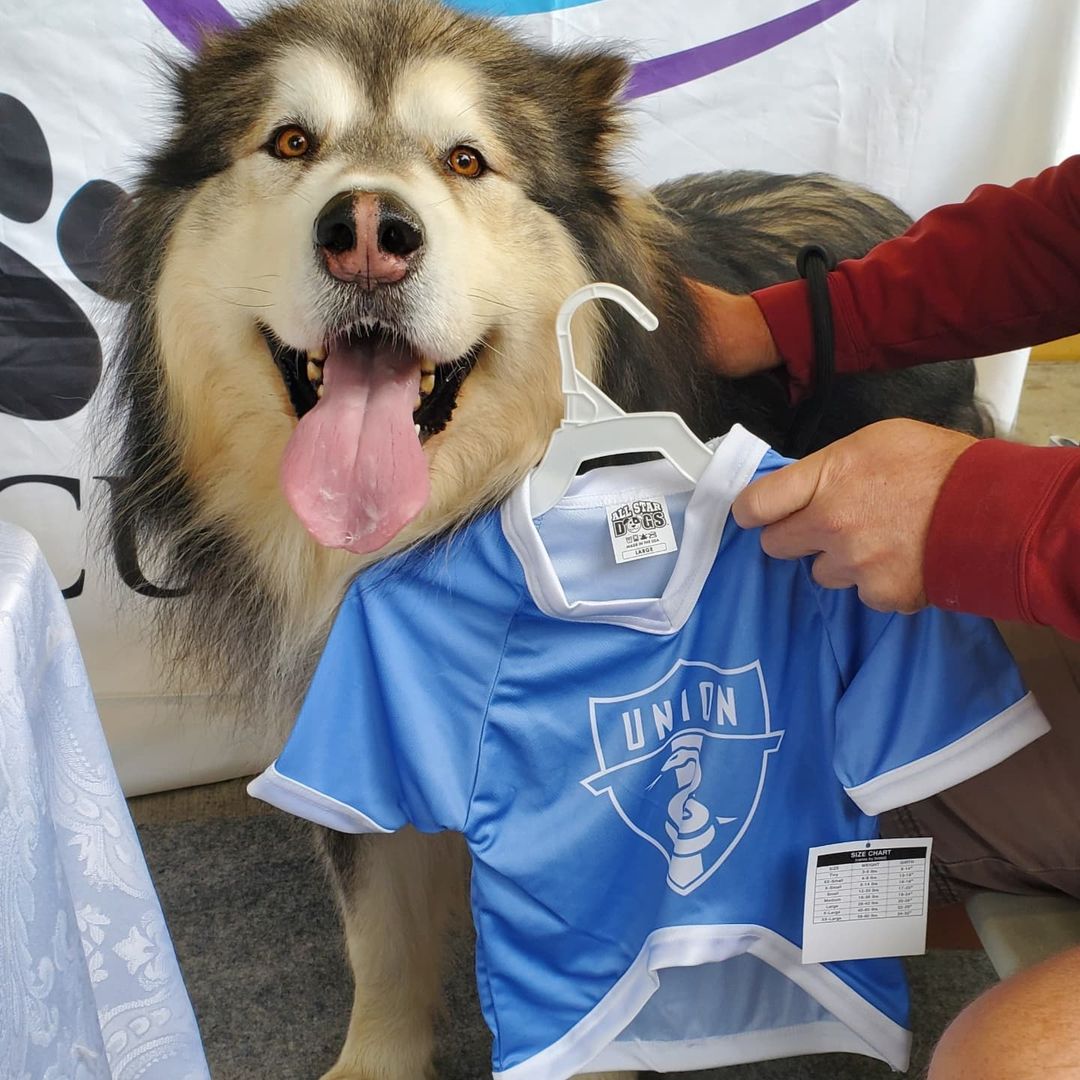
{"points": [[594, 426]]}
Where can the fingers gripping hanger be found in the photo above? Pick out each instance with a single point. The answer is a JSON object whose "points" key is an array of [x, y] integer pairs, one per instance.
{"points": [[593, 426]]}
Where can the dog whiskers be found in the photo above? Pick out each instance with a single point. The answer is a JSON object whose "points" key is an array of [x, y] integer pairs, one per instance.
{"points": [[498, 352], [511, 308], [241, 304]]}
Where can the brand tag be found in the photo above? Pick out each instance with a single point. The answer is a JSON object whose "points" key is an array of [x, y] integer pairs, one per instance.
{"points": [[864, 899], [640, 529]]}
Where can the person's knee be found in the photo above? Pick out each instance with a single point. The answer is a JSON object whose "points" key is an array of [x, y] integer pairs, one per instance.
{"points": [[1027, 1028]]}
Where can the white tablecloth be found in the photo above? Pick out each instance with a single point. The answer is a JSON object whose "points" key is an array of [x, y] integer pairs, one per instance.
{"points": [[89, 984]]}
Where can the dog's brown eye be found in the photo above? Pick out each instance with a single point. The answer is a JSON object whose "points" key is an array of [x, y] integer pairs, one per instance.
{"points": [[466, 161], [291, 142]]}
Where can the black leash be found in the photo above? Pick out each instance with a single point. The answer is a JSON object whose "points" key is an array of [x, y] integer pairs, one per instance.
{"points": [[813, 263]]}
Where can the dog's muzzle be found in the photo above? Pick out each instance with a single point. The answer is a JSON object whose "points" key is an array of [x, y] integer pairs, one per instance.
{"points": [[370, 239]]}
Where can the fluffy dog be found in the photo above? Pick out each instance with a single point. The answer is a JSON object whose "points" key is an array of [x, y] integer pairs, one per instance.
{"points": [[341, 272]]}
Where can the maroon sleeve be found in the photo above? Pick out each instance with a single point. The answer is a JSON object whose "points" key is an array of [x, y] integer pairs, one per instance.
{"points": [[997, 272], [1005, 535]]}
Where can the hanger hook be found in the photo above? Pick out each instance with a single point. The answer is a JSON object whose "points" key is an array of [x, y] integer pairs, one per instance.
{"points": [[599, 290]]}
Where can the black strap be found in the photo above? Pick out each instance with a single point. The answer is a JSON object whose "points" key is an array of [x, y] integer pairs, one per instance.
{"points": [[813, 263]]}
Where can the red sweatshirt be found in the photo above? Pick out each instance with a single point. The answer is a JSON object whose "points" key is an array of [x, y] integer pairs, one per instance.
{"points": [[997, 272]]}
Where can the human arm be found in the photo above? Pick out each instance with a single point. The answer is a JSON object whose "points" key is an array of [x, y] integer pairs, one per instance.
{"points": [[913, 514], [996, 272], [1004, 539]]}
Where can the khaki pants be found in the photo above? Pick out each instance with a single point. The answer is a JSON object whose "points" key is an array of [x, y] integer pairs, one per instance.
{"points": [[1015, 828]]}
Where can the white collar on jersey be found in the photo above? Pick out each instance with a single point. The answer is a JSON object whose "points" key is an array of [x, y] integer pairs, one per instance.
{"points": [[735, 459]]}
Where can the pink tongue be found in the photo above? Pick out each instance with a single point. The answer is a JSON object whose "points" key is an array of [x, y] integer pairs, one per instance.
{"points": [[353, 470]]}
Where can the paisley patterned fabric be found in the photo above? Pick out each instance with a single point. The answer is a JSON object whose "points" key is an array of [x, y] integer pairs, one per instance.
{"points": [[89, 983]]}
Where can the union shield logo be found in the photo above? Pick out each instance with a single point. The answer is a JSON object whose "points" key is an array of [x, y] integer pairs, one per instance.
{"points": [[684, 761]]}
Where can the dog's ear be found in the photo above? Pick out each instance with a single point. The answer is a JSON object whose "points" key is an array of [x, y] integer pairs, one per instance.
{"points": [[595, 77], [211, 99], [178, 74], [184, 87], [190, 78], [590, 111]]}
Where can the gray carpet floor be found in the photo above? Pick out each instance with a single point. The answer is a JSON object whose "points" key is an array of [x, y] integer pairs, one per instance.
{"points": [[257, 935]]}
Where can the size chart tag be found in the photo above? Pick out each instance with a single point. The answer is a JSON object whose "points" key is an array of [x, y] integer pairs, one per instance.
{"points": [[640, 529], [867, 898]]}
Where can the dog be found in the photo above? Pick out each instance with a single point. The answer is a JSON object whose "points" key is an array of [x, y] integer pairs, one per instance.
{"points": [[348, 255]]}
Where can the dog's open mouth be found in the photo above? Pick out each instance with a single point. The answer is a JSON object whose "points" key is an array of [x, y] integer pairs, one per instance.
{"points": [[354, 470], [437, 387]]}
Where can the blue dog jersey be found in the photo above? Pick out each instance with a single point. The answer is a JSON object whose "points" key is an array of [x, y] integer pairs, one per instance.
{"points": [[640, 748]]}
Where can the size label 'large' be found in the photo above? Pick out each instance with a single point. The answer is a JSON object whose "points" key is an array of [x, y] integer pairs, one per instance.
{"points": [[640, 529]]}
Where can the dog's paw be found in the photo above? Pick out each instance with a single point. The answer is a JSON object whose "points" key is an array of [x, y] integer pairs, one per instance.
{"points": [[50, 355], [386, 1064], [340, 1072]]}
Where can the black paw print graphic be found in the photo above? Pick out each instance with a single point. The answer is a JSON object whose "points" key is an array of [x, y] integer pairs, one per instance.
{"points": [[50, 355]]}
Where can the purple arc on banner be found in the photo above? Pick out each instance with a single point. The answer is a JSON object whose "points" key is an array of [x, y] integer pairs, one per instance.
{"points": [[187, 19], [664, 72]]}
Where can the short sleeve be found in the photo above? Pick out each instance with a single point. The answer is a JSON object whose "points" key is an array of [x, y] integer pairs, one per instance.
{"points": [[930, 700], [389, 732]]}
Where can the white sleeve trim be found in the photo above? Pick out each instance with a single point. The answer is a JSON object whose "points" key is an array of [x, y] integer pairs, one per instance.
{"points": [[293, 797], [987, 745]]}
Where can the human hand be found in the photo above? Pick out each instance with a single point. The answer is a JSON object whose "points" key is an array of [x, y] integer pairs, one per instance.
{"points": [[863, 504], [735, 336]]}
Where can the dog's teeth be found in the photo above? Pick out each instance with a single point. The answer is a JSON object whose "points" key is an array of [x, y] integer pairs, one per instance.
{"points": [[427, 367], [416, 403], [427, 382], [318, 354], [319, 389], [416, 428], [314, 372]]}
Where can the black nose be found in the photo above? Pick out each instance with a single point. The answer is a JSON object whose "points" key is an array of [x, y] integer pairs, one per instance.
{"points": [[399, 234], [395, 226], [335, 227]]}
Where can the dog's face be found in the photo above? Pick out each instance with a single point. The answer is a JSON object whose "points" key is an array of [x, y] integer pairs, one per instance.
{"points": [[372, 217]]}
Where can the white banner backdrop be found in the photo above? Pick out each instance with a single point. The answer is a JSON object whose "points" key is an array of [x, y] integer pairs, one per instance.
{"points": [[920, 99]]}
